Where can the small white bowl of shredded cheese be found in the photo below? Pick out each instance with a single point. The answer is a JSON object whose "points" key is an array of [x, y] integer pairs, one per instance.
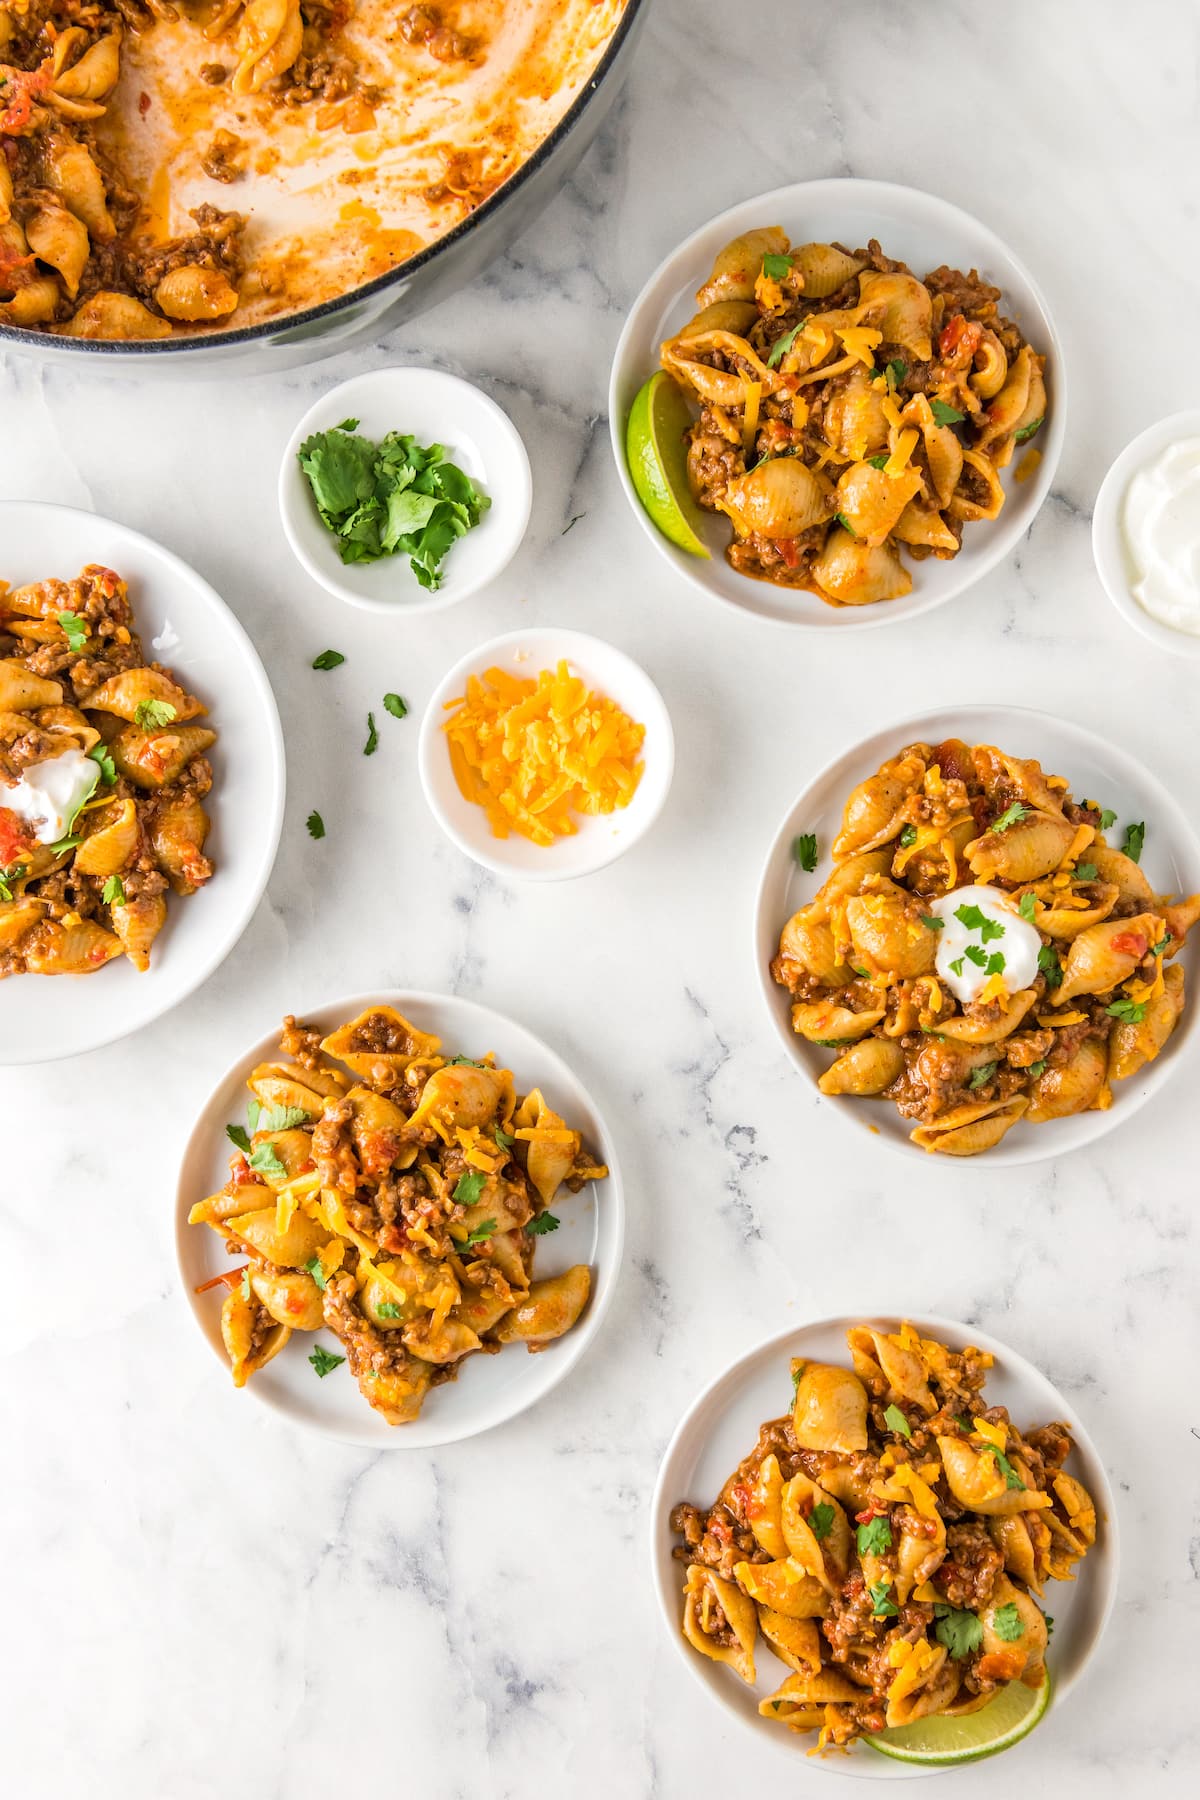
{"points": [[1146, 534]]}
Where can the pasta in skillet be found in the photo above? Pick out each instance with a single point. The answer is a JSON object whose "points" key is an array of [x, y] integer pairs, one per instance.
{"points": [[849, 411], [888, 1543], [979, 953], [395, 1197], [102, 780]]}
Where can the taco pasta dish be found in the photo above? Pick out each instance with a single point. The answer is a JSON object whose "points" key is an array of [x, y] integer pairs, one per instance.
{"points": [[888, 1542], [102, 781], [851, 415], [979, 953], [394, 1197], [173, 166]]}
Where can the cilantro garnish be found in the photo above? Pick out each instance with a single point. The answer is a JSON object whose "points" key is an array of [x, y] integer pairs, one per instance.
{"points": [[945, 415], [264, 1161], [316, 1269], [9, 875], [101, 754], [387, 1309], [878, 462], [469, 1060], [781, 346], [995, 963], [1011, 1478], [1006, 1622], [1049, 964], [1162, 945], [956, 966], [477, 1236], [328, 659], [1038, 1068], [1049, 1623], [72, 841], [874, 1537], [152, 714], [372, 743], [1135, 838], [114, 891], [796, 1374], [932, 922], [505, 1139], [1026, 907], [469, 1187], [981, 1076], [1108, 818], [1012, 815], [315, 825], [820, 1520], [392, 703], [895, 1420], [776, 267], [75, 630], [323, 1361], [845, 524], [897, 370], [391, 497], [1085, 871], [1026, 432], [238, 1135], [542, 1224], [1130, 1012], [804, 849], [881, 1606], [246, 1281], [975, 919], [908, 836], [961, 1632], [279, 1118], [974, 954]]}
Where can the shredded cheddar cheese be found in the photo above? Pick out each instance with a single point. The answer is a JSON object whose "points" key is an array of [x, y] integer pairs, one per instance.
{"points": [[906, 443], [1028, 465], [994, 988], [860, 341], [994, 1434], [535, 753]]}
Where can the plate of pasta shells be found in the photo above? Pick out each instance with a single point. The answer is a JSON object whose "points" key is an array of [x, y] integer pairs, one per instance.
{"points": [[875, 397], [973, 934], [865, 1525], [141, 781], [399, 1219]]}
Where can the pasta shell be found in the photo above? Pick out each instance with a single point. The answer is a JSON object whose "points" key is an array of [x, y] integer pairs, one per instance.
{"points": [[830, 1409], [710, 1604], [1019, 1538], [240, 1319], [890, 1367], [1179, 918], [968, 1130], [1131, 1046], [991, 366], [292, 1085], [779, 498], [122, 694], [193, 293], [1128, 879], [824, 268], [821, 1022], [117, 316], [721, 387], [1105, 954], [902, 307], [978, 1482], [269, 41], [178, 832], [872, 813], [1073, 1088], [74, 175], [807, 941], [379, 1045], [796, 1642], [919, 524], [889, 936], [95, 74], [851, 573], [1033, 847], [19, 690], [802, 1694], [293, 1248], [944, 455], [1064, 923], [463, 1095], [397, 1394], [736, 267], [865, 1069], [111, 841], [821, 1557], [925, 1683], [871, 501], [17, 918], [980, 493], [137, 924], [1006, 1658], [736, 316], [853, 420], [1000, 418], [60, 239], [548, 1311], [52, 949], [157, 758], [852, 871], [784, 1587], [291, 1297]]}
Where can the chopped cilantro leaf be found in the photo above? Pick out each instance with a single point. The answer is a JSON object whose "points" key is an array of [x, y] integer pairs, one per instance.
{"points": [[1130, 1012], [1162, 945], [253, 1113], [776, 267], [1012, 815], [152, 714], [974, 954], [1085, 871], [72, 841], [1049, 1622], [957, 965], [975, 919], [895, 1420], [781, 346], [1027, 906], [1049, 964], [387, 1309], [820, 1520], [829, 1043], [246, 1281], [797, 1372], [878, 462], [315, 825], [477, 1236], [881, 1606], [1006, 1622], [908, 836], [505, 1139], [372, 743], [75, 630], [1011, 1478], [897, 370], [279, 1118], [873, 1537], [392, 703], [469, 1186], [995, 963], [1038, 1068], [316, 1269], [982, 1075], [544, 1222], [1026, 432], [468, 1060], [1108, 818], [328, 659], [961, 1632], [347, 425], [804, 849], [9, 875], [264, 1161], [238, 1135], [114, 891], [945, 415], [101, 754], [1135, 838], [323, 1361], [845, 524], [932, 922]]}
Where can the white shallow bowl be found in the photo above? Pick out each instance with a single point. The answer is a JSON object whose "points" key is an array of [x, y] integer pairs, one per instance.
{"points": [[1097, 770], [600, 839], [720, 1429], [183, 624], [922, 231], [490, 1389], [1114, 564], [434, 408]]}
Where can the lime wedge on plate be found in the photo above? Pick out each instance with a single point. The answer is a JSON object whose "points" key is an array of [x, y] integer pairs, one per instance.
{"points": [[654, 446], [997, 1726]]}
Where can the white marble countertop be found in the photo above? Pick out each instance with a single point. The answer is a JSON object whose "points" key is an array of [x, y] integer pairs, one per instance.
{"points": [[200, 1601]]}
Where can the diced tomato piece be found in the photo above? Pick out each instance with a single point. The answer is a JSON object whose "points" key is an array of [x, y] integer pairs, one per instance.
{"points": [[958, 338], [13, 838], [1131, 943], [787, 549]]}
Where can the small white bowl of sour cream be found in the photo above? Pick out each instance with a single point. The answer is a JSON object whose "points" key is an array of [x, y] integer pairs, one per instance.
{"points": [[1146, 534]]}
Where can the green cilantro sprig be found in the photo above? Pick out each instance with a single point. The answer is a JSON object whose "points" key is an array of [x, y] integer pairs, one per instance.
{"points": [[75, 630], [323, 1361], [960, 1631], [152, 715], [873, 1537], [1006, 1622], [1012, 815], [1135, 839], [544, 1222], [895, 1420], [820, 1520], [469, 1187], [804, 850]]}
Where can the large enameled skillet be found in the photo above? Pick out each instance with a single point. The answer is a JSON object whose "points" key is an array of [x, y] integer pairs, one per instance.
{"points": [[389, 300]]}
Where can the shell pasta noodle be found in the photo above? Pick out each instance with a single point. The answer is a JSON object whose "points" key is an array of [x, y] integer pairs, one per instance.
{"points": [[393, 1196], [103, 775], [888, 1542], [852, 415], [980, 954]]}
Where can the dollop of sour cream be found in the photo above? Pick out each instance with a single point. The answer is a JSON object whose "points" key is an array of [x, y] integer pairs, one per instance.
{"points": [[1162, 533], [983, 935], [50, 793]]}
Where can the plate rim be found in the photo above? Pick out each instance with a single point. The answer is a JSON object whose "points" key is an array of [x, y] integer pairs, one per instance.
{"points": [[1024, 1151], [273, 803], [935, 1325], [884, 613], [576, 1343]]}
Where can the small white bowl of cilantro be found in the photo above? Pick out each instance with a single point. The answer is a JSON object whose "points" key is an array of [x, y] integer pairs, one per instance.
{"points": [[405, 490]]}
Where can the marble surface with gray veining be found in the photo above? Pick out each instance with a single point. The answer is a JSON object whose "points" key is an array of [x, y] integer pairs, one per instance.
{"points": [[199, 1601]]}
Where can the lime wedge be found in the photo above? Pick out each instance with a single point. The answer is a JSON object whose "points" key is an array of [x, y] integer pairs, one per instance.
{"points": [[654, 446], [1013, 1713]]}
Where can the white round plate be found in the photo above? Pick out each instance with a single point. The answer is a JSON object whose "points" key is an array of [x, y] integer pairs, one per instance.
{"points": [[720, 1429], [600, 839], [183, 624], [490, 1389], [1097, 770], [435, 409], [1113, 562], [922, 231]]}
